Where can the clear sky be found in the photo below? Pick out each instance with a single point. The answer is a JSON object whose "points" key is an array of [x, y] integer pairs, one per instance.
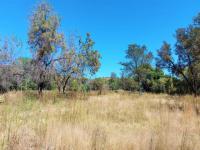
{"points": [[113, 23]]}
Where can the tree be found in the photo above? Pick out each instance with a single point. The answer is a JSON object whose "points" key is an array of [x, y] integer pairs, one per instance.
{"points": [[44, 41], [10, 72], [187, 51], [66, 68], [88, 56], [79, 60], [136, 56]]}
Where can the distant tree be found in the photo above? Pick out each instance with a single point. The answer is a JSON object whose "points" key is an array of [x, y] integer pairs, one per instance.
{"points": [[98, 84], [136, 56], [10, 73], [113, 75], [114, 82], [44, 41], [187, 51]]}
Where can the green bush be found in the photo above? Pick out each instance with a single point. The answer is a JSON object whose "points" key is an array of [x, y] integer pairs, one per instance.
{"points": [[98, 84], [129, 84]]}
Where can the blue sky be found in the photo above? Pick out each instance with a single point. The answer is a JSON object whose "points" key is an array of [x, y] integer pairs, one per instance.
{"points": [[113, 23]]}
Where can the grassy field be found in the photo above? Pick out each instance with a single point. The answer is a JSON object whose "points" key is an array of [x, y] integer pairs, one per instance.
{"points": [[114, 121]]}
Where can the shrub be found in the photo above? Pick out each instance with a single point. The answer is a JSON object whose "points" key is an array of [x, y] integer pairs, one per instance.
{"points": [[129, 84], [98, 84]]}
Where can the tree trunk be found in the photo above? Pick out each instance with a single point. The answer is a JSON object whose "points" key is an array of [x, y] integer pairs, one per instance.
{"points": [[65, 84], [63, 89], [40, 89]]}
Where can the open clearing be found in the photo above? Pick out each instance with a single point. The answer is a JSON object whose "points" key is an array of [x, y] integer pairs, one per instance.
{"points": [[114, 121]]}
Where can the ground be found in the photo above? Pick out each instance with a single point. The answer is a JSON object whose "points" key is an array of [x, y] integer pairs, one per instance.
{"points": [[113, 121]]}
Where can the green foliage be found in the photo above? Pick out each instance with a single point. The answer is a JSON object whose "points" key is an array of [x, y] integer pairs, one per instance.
{"points": [[89, 57], [137, 57], [151, 79], [129, 84], [75, 86], [28, 85], [76, 61], [114, 82], [186, 66], [79, 85], [98, 84]]}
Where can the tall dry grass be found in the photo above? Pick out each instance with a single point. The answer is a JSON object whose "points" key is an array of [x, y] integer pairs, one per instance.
{"points": [[115, 121]]}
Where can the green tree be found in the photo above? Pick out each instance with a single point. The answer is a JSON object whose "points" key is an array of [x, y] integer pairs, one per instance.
{"points": [[136, 56], [187, 51]]}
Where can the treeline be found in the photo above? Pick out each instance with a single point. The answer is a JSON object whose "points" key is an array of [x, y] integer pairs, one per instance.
{"points": [[154, 81], [63, 63], [177, 69]]}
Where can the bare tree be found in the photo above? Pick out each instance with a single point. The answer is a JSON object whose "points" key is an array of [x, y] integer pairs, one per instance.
{"points": [[10, 73]]}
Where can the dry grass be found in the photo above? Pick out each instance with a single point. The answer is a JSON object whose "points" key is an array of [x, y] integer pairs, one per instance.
{"points": [[115, 121]]}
